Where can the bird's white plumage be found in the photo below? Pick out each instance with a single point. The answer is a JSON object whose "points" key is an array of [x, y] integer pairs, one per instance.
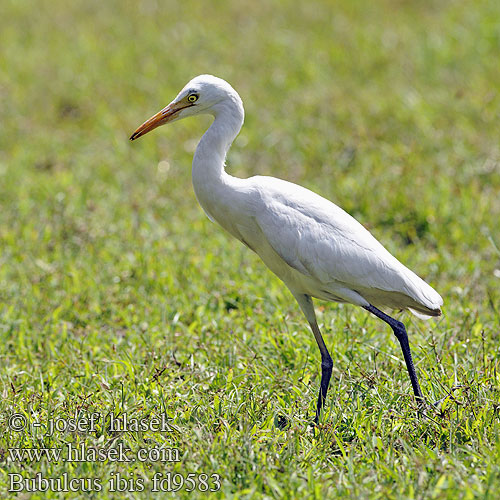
{"points": [[314, 246], [320, 240]]}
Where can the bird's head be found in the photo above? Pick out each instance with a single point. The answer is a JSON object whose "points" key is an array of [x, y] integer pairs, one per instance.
{"points": [[205, 94]]}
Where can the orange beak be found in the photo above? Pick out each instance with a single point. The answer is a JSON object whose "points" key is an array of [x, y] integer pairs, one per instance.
{"points": [[167, 114]]}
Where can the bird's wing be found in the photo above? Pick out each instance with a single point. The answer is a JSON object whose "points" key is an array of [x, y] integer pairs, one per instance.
{"points": [[319, 239]]}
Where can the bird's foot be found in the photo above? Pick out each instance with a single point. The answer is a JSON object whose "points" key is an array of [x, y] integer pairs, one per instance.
{"points": [[450, 395], [437, 404]]}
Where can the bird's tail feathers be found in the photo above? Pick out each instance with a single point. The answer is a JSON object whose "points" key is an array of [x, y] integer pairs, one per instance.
{"points": [[429, 313]]}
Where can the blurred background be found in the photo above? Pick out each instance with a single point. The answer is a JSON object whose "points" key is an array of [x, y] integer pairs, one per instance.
{"points": [[391, 109]]}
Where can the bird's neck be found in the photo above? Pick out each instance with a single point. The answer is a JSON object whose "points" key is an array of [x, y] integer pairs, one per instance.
{"points": [[208, 162]]}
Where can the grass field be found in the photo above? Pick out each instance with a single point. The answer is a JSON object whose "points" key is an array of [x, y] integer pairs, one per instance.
{"points": [[119, 297]]}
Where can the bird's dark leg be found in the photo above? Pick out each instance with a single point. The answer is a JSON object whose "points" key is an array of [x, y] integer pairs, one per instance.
{"points": [[306, 304], [326, 369], [400, 332]]}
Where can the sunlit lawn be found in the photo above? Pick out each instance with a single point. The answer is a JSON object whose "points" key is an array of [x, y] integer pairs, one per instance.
{"points": [[118, 296]]}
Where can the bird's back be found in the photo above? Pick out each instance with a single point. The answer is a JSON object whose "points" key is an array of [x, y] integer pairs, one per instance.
{"points": [[332, 251]]}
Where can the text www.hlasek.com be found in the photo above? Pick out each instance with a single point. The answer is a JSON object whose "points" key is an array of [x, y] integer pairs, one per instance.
{"points": [[82, 453]]}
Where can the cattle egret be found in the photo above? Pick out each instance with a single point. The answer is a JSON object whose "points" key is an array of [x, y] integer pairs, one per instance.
{"points": [[316, 248]]}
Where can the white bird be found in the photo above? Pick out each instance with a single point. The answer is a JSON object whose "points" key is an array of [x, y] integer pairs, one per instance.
{"points": [[316, 248]]}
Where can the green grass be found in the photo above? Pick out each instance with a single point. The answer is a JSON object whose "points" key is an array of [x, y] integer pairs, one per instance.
{"points": [[117, 294]]}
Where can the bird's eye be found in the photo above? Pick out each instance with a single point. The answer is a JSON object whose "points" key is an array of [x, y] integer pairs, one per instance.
{"points": [[192, 98]]}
